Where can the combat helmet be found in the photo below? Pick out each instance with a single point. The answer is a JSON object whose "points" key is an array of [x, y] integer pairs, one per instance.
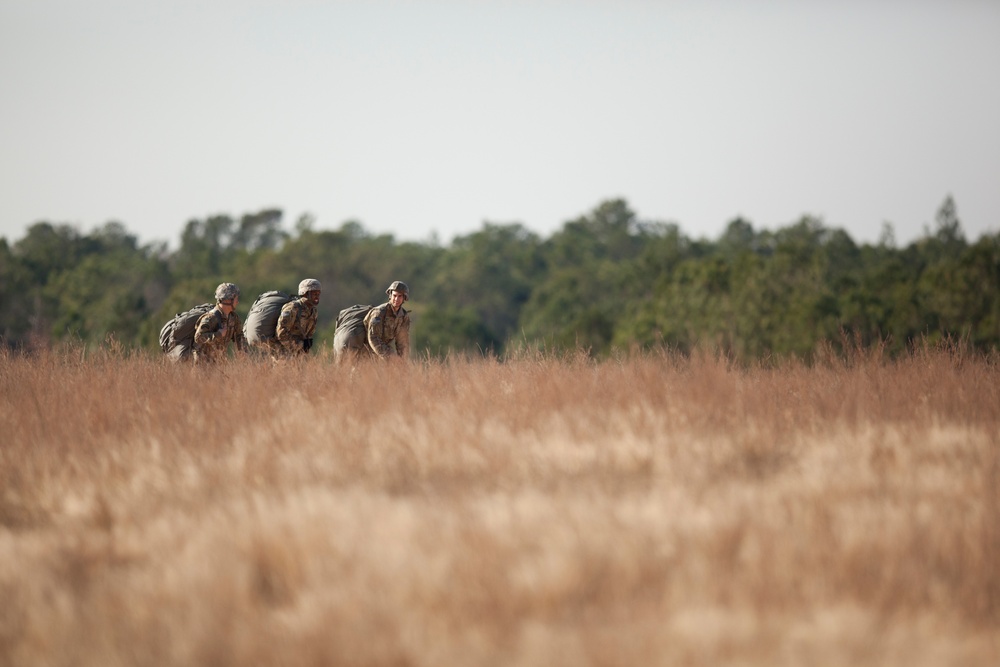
{"points": [[309, 285], [226, 292], [399, 286]]}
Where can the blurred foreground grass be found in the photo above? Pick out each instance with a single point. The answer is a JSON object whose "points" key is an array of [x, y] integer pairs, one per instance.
{"points": [[654, 510]]}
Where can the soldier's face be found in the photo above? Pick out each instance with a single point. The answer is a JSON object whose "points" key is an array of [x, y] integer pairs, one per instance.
{"points": [[313, 297], [396, 299]]}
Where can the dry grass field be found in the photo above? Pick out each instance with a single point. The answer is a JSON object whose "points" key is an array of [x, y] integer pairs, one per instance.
{"points": [[654, 510]]}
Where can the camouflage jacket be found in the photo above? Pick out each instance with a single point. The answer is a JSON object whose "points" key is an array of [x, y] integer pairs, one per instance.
{"points": [[296, 323], [385, 327], [213, 333]]}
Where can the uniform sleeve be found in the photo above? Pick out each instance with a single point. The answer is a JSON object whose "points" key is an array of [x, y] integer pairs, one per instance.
{"points": [[286, 332], [375, 339], [208, 328], [310, 331], [403, 338]]}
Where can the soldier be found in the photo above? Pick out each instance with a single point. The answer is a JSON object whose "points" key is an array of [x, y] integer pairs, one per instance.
{"points": [[297, 322], [219, 326], [388, 325]]}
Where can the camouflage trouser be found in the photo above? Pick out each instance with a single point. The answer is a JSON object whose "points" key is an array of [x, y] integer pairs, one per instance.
{"points": [[349, 346]]}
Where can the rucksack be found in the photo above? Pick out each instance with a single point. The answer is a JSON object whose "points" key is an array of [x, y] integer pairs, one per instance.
{"points": [[177, 335], [352, 318], [262, 320]]}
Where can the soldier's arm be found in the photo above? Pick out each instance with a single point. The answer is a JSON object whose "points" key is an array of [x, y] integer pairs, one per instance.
{"points": [[310, 331], [208, 328], [285, 331], [378, 345], [403, 339]]}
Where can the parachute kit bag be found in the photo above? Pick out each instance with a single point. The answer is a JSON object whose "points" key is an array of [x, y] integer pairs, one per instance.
{"points": [[262, 320], [177, 335], [349, 332], [352, 318]]}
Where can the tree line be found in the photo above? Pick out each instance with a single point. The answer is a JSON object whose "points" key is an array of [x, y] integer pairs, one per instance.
{"points": [[606, 282]]}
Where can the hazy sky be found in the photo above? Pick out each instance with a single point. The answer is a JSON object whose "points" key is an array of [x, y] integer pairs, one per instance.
{"points": [[433, 116]]}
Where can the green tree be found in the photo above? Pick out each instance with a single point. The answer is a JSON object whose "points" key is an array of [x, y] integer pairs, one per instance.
{"points": [[604, 281], [447, 329], [489, 274], [259, 231], [44, 252], [15, 297], [204, 245]]}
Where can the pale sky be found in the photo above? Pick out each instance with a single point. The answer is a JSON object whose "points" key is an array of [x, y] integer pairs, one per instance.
{"points": [[432, 116]]}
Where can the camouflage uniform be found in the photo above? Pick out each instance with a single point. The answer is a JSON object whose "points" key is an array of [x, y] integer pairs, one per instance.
{"points": [[213, 333], [385, 327], [296, 323]]}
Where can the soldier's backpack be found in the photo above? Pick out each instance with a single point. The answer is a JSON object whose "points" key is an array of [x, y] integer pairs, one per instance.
{"points": [[177, 335], [352, 318], [262, 320], [349, 332]]}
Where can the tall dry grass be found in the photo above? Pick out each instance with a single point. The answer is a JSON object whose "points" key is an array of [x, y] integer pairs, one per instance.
{"points": [[647, 511]]}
